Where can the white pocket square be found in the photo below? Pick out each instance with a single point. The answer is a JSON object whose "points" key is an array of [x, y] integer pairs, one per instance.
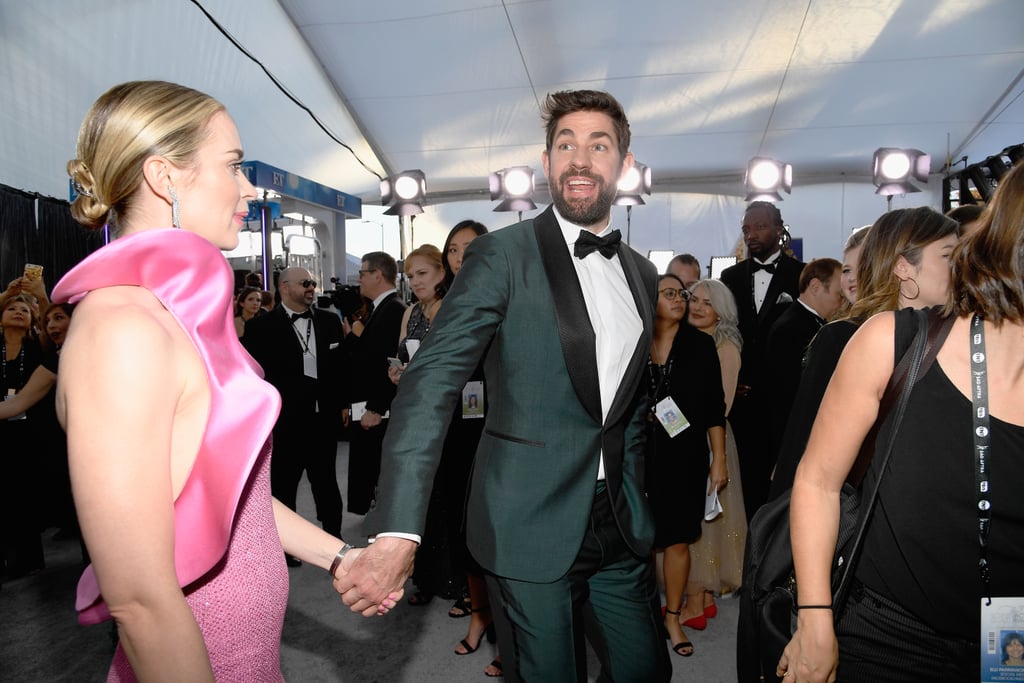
{"points": [[333, 346], [784, 298]]}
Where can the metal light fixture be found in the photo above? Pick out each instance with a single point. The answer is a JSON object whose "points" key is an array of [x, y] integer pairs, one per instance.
{"points": [[514, 186], [894, 169], [634, 183], [405, 192], [766, 179]]}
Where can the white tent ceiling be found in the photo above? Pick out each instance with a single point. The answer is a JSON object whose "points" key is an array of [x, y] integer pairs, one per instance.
{"points": [[453, 87]]}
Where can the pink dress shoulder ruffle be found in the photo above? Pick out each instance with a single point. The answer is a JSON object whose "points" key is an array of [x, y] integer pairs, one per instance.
{"points": [[227, 553]]}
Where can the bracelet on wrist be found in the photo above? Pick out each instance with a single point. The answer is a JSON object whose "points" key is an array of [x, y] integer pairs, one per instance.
{"points": [[338, 558], [800, 607]]}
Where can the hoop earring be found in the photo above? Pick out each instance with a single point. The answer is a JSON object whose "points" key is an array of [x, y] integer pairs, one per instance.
{"points": [[175, 207], [917, 289]]}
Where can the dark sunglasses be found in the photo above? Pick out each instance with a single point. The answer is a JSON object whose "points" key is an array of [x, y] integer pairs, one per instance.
{"points": [[304, 283]]}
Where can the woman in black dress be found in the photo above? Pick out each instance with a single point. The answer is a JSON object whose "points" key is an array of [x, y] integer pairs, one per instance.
{"points": [[685, 392]]}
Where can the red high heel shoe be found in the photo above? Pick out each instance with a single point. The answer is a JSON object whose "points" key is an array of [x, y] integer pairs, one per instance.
{"points": [[711, 611]]}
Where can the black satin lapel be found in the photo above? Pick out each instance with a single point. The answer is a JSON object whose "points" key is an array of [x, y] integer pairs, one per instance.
{"points": [[579, 347], [645, 307]]}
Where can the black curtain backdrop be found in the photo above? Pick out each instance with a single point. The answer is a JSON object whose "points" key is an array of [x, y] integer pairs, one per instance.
{"points": [[17, 233], [37, 229]]}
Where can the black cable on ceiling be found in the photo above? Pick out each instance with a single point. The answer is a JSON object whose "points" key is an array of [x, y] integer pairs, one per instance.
{"points": [[282, 88]]}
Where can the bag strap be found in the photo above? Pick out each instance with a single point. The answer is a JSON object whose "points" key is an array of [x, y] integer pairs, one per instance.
{"points": [[937, 329], [931, 333]]}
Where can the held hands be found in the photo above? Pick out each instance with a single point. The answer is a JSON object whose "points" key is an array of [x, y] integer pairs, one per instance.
{"points": [[385, 606], [371, 579], [813, 654]]}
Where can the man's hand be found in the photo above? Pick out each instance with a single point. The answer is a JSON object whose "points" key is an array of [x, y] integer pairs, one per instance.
{"points": [[370, 420], [376, 575]]}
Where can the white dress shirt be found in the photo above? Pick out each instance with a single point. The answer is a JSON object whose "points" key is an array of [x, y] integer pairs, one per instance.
{"points": [[612, 311], [762, 279]]}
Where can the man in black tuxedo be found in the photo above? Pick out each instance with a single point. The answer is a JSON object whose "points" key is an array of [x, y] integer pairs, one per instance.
{"points": [[299, 348], [820, 296], [368, 347], [763, 285]]}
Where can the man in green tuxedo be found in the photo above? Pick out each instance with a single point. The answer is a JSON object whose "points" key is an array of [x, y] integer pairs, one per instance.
{"points": [[560, 312]]}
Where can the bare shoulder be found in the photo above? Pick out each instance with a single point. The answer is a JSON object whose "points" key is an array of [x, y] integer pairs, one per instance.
{"points": [[118, 320]]}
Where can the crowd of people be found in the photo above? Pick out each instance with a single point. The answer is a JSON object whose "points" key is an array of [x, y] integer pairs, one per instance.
{"points": [[674, 407]]}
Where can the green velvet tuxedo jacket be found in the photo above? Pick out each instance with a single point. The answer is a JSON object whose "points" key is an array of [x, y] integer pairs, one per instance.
{"points": [[517, 305]]}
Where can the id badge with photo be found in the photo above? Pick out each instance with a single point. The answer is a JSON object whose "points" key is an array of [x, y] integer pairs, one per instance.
{"points": [[1002, 640], [670, 417], [473, 400]]}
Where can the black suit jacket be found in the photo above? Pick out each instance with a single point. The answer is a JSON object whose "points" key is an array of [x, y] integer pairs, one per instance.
{"points": [[784, 354], [368, 356], [272, 340], [754, 325]]}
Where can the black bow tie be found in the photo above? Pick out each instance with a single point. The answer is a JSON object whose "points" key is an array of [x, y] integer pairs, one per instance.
{"points": [[307, 314], [588, 242], [755, 266]]}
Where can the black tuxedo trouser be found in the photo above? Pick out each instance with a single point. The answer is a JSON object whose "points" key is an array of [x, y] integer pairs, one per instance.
{"points": [[751, 426], [364, 452], [608, 595], [315, 452]]}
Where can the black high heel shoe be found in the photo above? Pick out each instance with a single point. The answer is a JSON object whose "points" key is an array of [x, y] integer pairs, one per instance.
{"points": [[489, 633], [683, 648]]}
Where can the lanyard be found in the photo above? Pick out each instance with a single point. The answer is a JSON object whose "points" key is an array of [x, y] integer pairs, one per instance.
{"points": [[979, 398], [3, 360], [305, 343]]}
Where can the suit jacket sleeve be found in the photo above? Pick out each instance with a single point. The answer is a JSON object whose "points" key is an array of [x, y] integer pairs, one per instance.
{"points": [[431, 387]]}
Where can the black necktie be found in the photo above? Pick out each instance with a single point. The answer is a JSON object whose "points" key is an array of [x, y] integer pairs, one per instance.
{"points": [[588, 242], [306, 314], [755, 266]]}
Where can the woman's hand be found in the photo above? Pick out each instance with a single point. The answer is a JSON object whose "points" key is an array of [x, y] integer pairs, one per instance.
{"points": [[719, 474], [813, 654], [395, 374]]}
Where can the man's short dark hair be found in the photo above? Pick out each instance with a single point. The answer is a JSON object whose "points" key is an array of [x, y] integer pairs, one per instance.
{"points": [[686, 260], [820, 269], [382, 261], [966, 213], [558, 104]]}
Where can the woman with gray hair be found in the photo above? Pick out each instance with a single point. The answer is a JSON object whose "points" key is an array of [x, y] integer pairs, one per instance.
{"points": [[716, 560]]}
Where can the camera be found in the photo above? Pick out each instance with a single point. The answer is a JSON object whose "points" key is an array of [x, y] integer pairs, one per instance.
{"points": [[346, 298]]}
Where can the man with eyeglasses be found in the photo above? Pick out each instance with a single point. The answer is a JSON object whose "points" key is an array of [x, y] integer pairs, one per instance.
{"points": [[368, 346], [300, 351]]}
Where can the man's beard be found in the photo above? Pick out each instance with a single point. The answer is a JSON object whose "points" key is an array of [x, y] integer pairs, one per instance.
{"points": [[585, 212]]}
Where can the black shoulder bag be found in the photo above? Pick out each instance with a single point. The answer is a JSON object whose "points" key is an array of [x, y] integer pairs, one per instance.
{"points": [[768, 597]]}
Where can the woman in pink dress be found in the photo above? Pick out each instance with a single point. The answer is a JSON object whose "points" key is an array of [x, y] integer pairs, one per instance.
{"points": [[168, 418]]}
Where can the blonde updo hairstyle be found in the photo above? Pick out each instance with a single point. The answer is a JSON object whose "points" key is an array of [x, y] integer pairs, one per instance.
{"points": [[432, 255], [125, 126]]}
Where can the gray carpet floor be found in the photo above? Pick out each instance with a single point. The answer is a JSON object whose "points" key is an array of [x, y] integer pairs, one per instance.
{"points": [[40, 639]]}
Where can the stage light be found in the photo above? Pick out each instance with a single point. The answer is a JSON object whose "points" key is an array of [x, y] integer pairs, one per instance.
{"points": [[997, 167], [634, 183], [766, 178], [405, 192], [514, 186], [895, 168]]}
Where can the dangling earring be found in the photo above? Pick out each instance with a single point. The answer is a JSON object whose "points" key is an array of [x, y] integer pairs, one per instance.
{"points": [[175, 207], [917, 289]]}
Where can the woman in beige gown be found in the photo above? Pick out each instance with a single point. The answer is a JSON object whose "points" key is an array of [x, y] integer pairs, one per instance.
{"points": [[716, 559]]}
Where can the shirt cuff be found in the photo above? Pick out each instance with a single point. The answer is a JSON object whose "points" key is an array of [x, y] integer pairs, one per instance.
{"points": [[415, 538]]}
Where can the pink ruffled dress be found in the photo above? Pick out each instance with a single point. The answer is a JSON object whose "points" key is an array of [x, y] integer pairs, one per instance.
{"points": [[227, 552]]}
